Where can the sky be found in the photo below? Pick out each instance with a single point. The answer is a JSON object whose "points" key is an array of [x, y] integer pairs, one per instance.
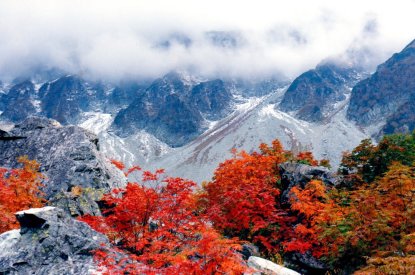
{"points": [[145, 39]]}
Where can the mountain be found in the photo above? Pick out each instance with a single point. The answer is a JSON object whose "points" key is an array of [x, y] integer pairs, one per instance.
{"points": [[254, 121], [212, 98], [65, 99], [175, 109], [385, 99], [313, 95], [225, 39], [188, 124], [20, 101]]}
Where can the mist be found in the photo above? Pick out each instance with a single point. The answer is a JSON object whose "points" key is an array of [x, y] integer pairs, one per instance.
{"points": [[116, 40]]}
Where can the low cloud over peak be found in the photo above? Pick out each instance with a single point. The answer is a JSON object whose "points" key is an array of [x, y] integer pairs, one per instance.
{"points": [[138, 39]]}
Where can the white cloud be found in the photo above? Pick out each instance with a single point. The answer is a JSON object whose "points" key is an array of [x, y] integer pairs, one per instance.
{"points": [[115, 39]]}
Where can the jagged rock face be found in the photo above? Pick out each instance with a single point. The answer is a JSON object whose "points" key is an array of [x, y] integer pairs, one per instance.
{"points": [[19, 102], [173, 109], [313, 93], [122, 96], [64, 99], [69, 157], [386, 93], [296, 174], [161, 111], [212, 99], [49, 242], [403, 121]]}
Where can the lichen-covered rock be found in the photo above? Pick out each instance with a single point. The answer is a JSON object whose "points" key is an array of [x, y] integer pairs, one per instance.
{"points": [[49, 242], [79, 201], [69, 158], [263, 266]]}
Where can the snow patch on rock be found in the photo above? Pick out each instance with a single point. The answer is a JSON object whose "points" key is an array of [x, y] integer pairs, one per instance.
{"points": [[268, 267], [96, 122], [35, 210]]}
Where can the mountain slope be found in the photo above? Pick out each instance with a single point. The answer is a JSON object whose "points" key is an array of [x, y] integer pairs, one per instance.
{"points": [[312, 95], [381, 98], [254, 121], [19, 102]]}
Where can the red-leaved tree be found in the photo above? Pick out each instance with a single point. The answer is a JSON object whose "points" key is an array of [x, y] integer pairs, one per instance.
{"points": [[156, 221], [242, 198]]}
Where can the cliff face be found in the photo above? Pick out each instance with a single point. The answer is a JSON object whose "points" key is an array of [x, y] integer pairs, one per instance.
{"points": [[313, 94], [174, 109], [19, 102], [69, 157], [383, 97]]}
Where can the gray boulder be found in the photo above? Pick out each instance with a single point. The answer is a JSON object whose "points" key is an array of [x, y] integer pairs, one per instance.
{"points": [[49, 242], [248, 250], [69, 158], [297, 174]]}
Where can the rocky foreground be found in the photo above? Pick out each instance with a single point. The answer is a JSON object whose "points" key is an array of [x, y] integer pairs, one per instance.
{"points": [[49, 241]]}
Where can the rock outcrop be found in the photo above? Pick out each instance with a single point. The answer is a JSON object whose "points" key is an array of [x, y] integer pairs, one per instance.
{"points": [[296, 174], [49, 242], [212, 99], [70, 159], [248, 250]]}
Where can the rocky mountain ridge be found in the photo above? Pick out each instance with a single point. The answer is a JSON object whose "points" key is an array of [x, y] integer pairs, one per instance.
{"points": [[313, 95], [200, 119]]}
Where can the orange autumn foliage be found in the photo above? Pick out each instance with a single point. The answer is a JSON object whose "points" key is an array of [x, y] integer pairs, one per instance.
{"points": [[308, 204], [375, 220], [157, 223], [306, 158], [241, 198], [20, 190]]}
